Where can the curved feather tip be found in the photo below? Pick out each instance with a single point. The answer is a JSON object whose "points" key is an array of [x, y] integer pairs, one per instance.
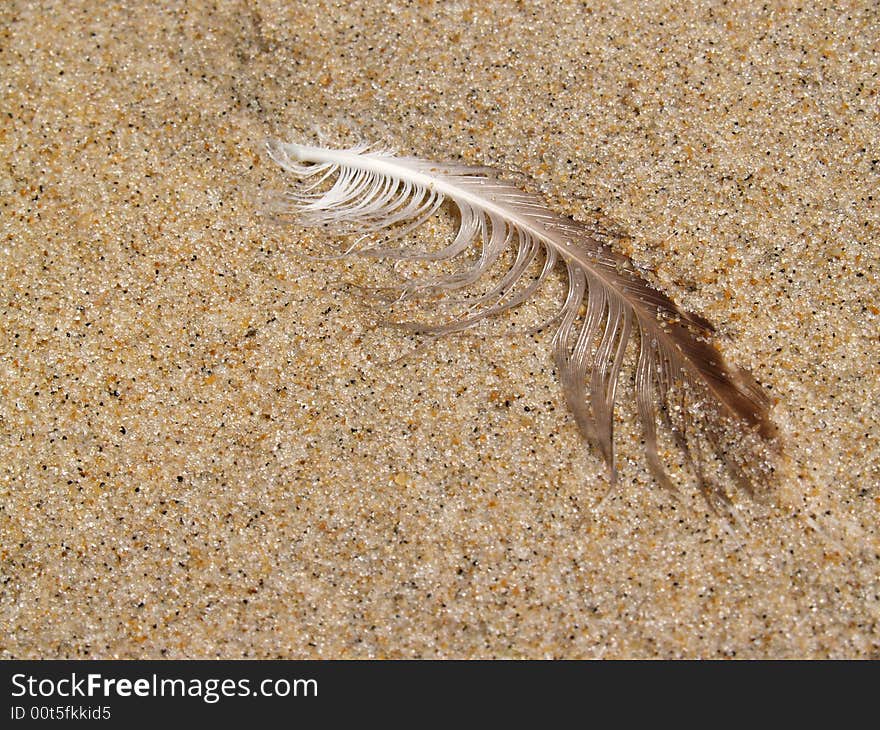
{"points": [[681, 379]]}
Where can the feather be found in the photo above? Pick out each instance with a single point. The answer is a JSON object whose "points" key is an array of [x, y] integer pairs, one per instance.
{"points": [[608, 304]]}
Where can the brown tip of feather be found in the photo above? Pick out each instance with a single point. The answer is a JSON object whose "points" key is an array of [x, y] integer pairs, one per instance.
{"points": [[754, 403]]}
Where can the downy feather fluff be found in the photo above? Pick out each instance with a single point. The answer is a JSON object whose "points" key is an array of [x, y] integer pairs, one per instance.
{"points": [[681, 380]]}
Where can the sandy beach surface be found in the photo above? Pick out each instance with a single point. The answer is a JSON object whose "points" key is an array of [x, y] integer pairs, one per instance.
{"points": [[211, 447]]}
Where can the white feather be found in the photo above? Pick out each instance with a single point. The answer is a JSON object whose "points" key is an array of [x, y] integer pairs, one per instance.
{"points": [[372, 190]]}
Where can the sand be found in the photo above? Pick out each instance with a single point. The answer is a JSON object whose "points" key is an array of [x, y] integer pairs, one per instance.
{"points": [[208, 444]]}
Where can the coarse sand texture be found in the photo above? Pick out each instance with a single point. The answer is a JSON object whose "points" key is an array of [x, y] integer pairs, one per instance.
{"points": [[213, 445]]}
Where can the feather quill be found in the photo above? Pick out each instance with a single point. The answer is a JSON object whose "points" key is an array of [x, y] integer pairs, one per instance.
{"points": [[608, 304]]}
